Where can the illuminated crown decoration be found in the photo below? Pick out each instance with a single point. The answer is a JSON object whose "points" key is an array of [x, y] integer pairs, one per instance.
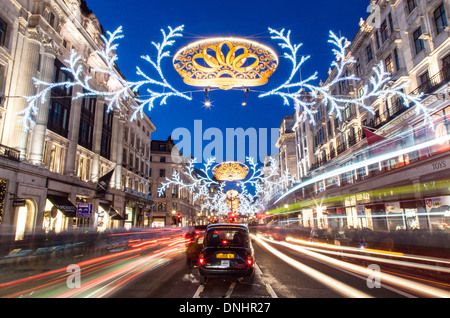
{"points": [[230, 171], [225, 63]]}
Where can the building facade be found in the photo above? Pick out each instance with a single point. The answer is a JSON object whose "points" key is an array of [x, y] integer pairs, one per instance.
{"points": [[407, 191], [174, 206], [50, 171]]}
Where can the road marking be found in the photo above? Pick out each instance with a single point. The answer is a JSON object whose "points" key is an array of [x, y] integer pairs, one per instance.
{"points": [[230, 290], [199, 290], [271, 291], [268, 287]]}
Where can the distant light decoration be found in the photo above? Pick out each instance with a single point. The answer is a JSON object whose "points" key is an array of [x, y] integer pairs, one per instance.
{"points": [[230, 171], [200, 184], [225, 63]]}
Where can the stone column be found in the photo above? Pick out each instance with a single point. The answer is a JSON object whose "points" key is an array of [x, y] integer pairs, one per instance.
{"points": [[26, 70], [97, 139], [38, 134], [119, 150], [74, 129], [115, 145]]}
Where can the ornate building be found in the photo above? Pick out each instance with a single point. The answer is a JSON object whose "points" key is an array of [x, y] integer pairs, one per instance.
{"points": [[50, 171], [406, 191], [174, 205]]}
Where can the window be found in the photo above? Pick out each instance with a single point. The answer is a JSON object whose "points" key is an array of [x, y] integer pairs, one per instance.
{"points": [[424, 78], [105, 149], [389, 64], [411, 4], [358, 68], [446, 61], [347, 111], [418, 42], [52, 19], [221, 236], [440, 19], [384, 31], [162, 173], [391, 22], [58, 117], [2, 32], [162, 159], [369, 53], [85, 136], [397, 62]]}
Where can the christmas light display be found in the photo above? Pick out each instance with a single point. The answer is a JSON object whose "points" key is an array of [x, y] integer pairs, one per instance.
{"points": [[230, 171], [200, 180], [225, 63], [297, 91], [126, 88], [222, 68]]}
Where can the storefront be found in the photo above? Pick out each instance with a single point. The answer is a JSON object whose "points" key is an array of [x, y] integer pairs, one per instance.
{"points": [[58, 211], [107, 216], [438, 212], [25, 216]]}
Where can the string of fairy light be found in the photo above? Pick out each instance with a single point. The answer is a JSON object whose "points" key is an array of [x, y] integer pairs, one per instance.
{"points": [[292, 91]]}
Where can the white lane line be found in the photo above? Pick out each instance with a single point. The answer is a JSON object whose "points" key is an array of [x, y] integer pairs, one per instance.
{"points": [[271, 291], [230, 290], [268, 287], [198, 291]]}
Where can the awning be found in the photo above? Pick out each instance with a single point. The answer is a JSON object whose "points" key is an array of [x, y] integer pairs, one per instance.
{"points": [[111, 211], [63, 204]]}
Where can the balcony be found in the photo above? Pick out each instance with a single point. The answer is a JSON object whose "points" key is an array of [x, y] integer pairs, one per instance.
{"points": [[433, 82], [137, 193]]}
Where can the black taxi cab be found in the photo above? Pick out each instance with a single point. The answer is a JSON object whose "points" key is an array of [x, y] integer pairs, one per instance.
{"points": [[227, 252]]}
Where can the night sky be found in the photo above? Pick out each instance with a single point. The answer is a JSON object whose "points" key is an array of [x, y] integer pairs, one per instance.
{"points": [[309, 22]]}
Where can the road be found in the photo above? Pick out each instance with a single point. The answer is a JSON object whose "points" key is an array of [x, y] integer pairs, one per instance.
{"points": [[285, 269]]}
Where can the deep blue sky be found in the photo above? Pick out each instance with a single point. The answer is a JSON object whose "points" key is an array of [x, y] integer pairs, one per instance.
{"points": [[309, 22]]}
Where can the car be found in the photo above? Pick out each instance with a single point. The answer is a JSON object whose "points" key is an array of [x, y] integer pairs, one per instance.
{"points": [[194, 244], [227, 253]]}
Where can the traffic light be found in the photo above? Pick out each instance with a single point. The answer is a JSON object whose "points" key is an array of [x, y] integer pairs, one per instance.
{"points": [[178, 218]]}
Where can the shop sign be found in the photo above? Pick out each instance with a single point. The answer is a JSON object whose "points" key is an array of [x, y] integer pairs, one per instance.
{"points": [[19, 203], [84, 210]]}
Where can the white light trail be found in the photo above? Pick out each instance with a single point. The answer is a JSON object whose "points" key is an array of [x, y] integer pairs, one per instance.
{"points": [[402, 283], [322, 248], [332, 283], [364, 163]]}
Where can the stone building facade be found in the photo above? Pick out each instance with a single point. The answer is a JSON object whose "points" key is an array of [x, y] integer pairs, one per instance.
{"points": [[48, 172], [406, 191]]}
